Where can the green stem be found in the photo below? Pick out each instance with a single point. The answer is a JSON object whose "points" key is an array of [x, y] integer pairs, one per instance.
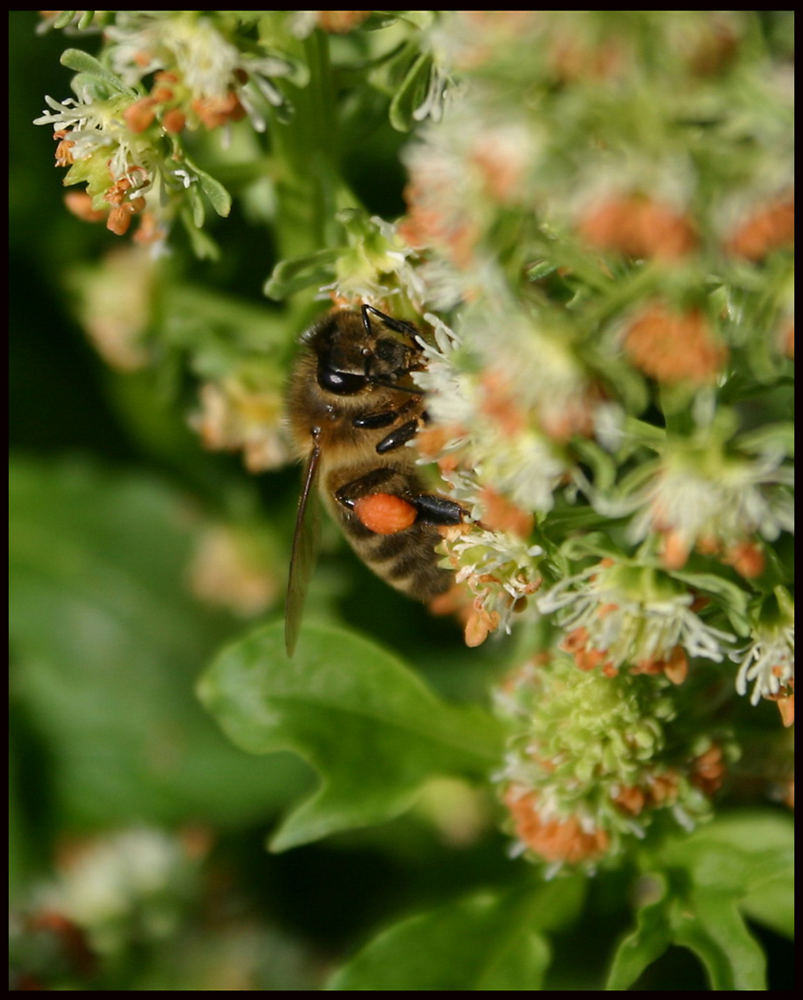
{"points": [[307, 158]]}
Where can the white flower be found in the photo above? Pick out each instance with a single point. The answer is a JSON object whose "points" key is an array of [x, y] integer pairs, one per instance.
{"points": [[234, 415], [498, 567], [207, 64], [629, 620], [768, 662], [450, 392], [91, 124], [525, 466], [99, 128], [727, 500], [187, 42]]}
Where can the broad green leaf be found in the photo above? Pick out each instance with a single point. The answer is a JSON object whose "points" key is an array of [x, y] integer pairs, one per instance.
{"points": [[710, 925], [650, 939], [763, 871], [489, 941], [752, 831], [737, 853], [737, 866], [357, 714], [773, 904], [107, 643]]}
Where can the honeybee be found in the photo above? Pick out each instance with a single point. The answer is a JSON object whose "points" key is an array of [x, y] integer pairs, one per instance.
{"points": [[352, 407]]}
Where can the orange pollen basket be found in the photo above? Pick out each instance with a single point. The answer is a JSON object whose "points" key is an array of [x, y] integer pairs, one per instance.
{"points": [[384, 513]]}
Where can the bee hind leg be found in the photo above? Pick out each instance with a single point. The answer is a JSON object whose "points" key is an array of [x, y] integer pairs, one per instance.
{"points": [[383, 483], [437, 510]]}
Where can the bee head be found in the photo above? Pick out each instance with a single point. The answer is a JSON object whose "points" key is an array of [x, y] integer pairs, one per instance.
{"points": [[353, 359]]}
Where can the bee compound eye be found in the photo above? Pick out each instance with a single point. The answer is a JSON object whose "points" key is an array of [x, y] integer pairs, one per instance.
{"points": [[340, 383]]}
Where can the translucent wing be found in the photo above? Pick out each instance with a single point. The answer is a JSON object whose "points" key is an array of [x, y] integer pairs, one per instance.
{"points": [[305, 546]]}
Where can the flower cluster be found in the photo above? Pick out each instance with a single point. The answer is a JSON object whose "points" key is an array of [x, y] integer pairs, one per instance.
{"points": [[611, 316], [593, 761], [597, 268], [164, 76]]}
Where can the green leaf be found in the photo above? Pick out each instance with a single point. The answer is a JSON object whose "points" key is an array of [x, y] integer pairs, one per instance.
{"points": [[764, 875], [601, 463], [219, 197], [410, 94], [710, 925], [203, 246], [82, 62], [107, 643], [357, 714], [773, 904], [737, 852], [737, 866], [489, 941], [196, 206], [734, 598], [64, 19], [297, 273], [650, 939], [780, 436]]}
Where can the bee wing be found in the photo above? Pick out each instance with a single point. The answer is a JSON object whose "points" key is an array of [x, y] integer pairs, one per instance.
{"points": [[305, 547]]}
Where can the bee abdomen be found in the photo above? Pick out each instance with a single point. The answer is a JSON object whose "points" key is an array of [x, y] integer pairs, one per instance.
{"points": [[406, 560]]}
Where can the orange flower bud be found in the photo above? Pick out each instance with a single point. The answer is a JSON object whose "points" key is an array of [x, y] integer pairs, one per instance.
{"points": [[80, 204], [139, 115]]}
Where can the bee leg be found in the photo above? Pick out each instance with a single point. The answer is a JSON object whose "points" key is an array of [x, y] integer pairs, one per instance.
{"points": [[371, 482], [437, 510], [398, 436], [372, 420], [383, 482], [398, 325], [384, 417]]}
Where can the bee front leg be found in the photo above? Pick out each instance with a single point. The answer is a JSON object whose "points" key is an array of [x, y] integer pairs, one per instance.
{"points": [[399, 325]]}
